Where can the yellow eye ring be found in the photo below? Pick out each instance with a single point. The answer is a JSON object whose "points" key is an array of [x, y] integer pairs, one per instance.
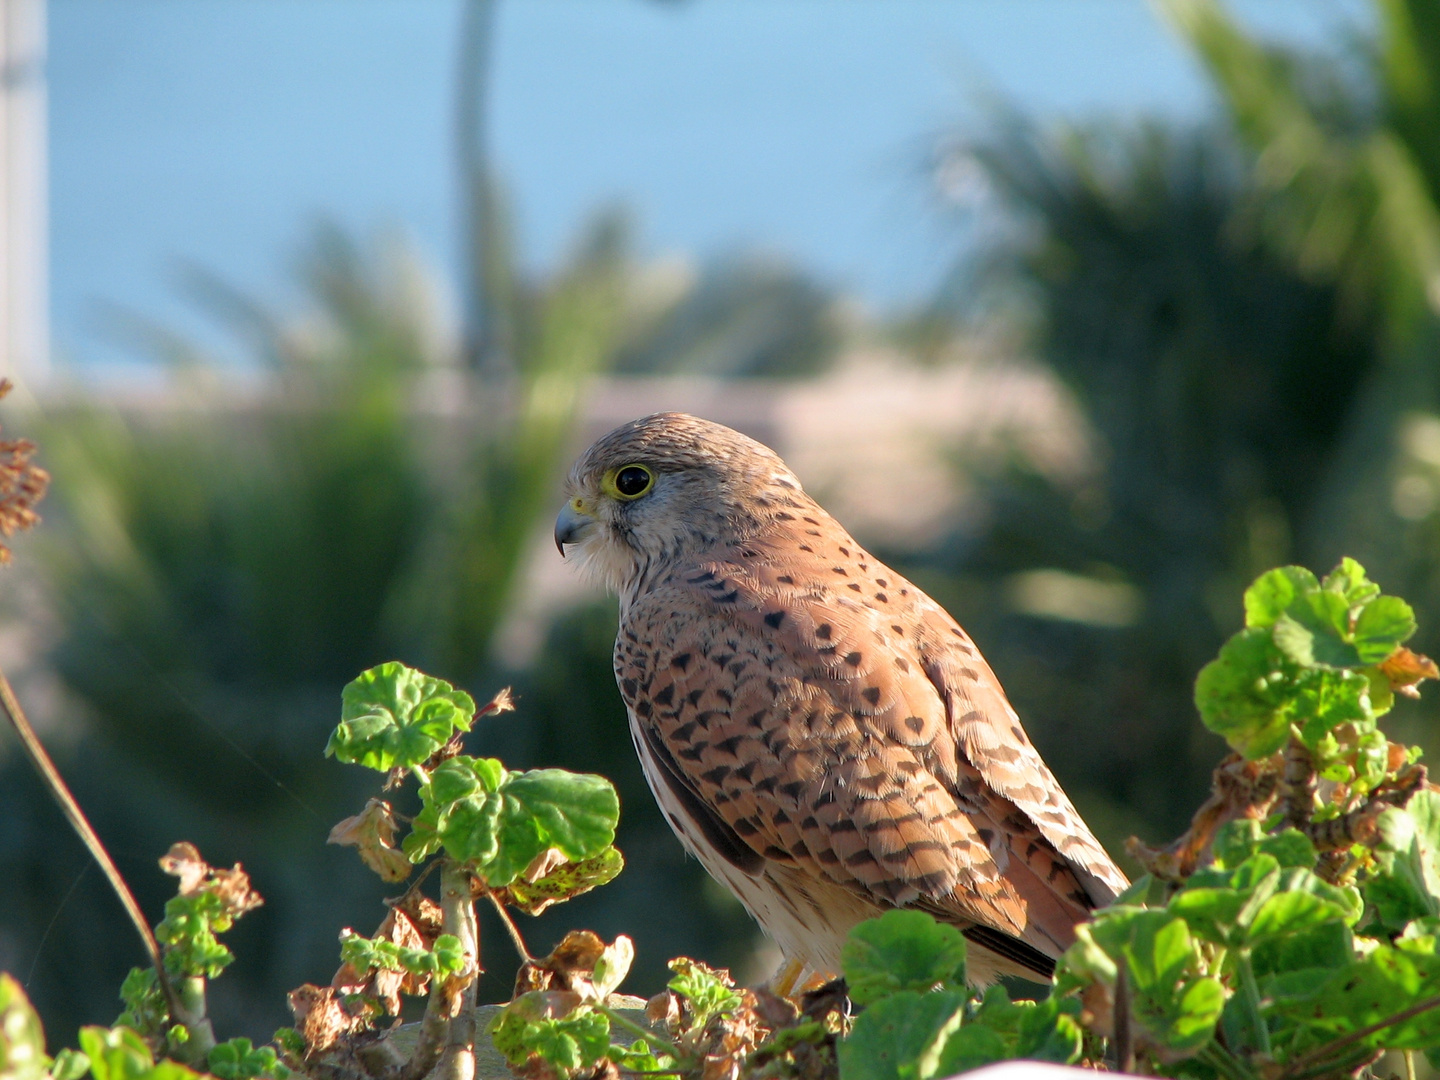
{"points": [[628, 482]]}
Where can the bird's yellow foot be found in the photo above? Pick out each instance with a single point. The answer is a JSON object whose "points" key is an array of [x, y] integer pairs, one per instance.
{"points": [[785, 979]]}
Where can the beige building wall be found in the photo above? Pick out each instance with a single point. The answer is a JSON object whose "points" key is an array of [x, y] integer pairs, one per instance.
{"points": [[24, 221]]}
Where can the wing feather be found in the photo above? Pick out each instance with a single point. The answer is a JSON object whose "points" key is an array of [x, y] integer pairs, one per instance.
{"points": [[830, 716]]}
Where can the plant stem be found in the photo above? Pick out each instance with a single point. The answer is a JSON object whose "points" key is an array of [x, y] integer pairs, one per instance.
{"points": [[510, 926], [650, 1037], [71, 809], [1297, 1066], [191, 1013], [458, 911], [420, 774], [1124, 1040], [434, 1026], [1224, 1062], [1252, 1001]]}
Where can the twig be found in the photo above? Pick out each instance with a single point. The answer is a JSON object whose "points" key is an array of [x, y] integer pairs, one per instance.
{"points": [[1124, 1037], [1297, 783], [78, 821], [1359, 825], [1239, 788], [650, 1037], [510, 926], [1323, 1052], [425, 872], [1224, 1062]]}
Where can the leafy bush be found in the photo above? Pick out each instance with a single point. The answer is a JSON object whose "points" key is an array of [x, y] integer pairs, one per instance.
{"points": [[1290, 933]]}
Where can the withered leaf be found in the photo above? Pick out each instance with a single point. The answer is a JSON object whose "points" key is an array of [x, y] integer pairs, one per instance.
{"points": [[321, 1017], [556, 880], [372, 833], [581, 964], [232, 887], [184, 862], [1406, 670]]}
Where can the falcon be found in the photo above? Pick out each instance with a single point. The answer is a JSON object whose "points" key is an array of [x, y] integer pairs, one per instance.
{"points": [[820, 734]]}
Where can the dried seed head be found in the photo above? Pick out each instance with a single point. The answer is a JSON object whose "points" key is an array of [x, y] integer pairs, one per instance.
{"points": [[22, 484]]}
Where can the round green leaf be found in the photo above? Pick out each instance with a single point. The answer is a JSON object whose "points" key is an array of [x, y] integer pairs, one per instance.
{"points": [[891, 1034], [393, 716], [901, 950]]}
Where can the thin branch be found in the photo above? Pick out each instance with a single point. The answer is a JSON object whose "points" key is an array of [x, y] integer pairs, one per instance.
{"points": [[1329, 1048], [1124, 1037], [510, 926], [10, 705], [650, 1037]]}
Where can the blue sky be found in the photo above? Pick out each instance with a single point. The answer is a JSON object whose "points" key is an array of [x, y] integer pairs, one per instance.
{"points": [[219, 131]]}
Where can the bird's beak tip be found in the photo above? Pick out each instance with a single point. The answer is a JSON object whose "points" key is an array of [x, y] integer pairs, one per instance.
{"points": [[570, 524]]}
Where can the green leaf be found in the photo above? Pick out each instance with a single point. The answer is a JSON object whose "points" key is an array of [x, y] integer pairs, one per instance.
{"points": [[146, 1009], [68, 1065], [116, 1053], [569, 1042], [1325, 699], [1210, 912], [1273, 592], [1048, 1031], [1383, 624], [1320, 949], [708, 992], [901, 950], [1292, 913], [393, 716], [1349, 580], [1405, 885], [1159, 951], [22, 1039], [889, 1037], [1237, 840], [1315, 629], [1144, 891], [1247, 694], [460, 810], [449, 955], [968, 1047], [1191, 1024], [639, 1057], [237, 1059], [1178, 1008], [1371, 991], [500, 822], [544, 808]]}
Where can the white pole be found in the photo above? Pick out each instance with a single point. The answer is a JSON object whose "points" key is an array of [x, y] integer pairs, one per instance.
{"points": [[24, 220]]}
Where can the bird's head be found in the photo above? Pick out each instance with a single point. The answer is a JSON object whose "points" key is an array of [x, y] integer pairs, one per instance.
{"points": [[665, 486]]}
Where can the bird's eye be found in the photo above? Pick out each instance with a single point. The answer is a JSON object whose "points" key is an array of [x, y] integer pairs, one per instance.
{"points": [[633, 481]]}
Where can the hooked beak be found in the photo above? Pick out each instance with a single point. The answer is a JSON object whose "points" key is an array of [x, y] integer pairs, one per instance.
{"points": [[571, 525]]}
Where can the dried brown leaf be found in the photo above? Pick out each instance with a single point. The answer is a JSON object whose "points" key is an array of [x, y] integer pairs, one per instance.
{"points": [[231, 886], [1406, 670], [321, 1017], [184, 862], [372, 832], [663, 1008]]}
